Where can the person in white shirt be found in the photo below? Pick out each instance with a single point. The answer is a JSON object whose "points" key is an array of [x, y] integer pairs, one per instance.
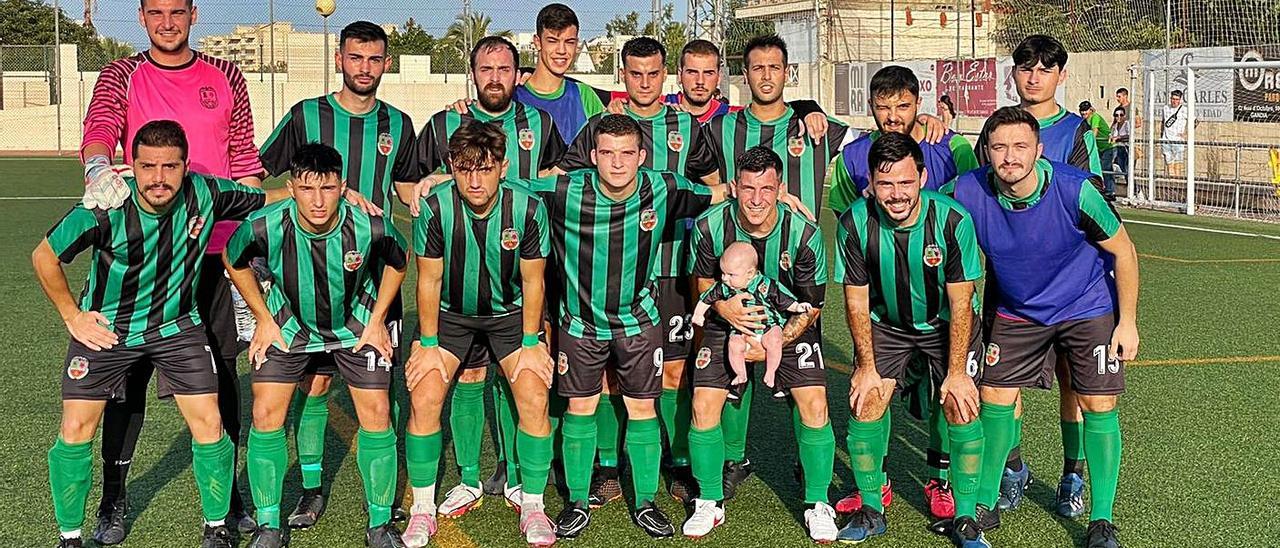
{"points": [[1175, 129]]}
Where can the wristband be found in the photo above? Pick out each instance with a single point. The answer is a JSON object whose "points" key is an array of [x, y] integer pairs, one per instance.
{"points": [[429, 342], [97, 159], [529, 340]]}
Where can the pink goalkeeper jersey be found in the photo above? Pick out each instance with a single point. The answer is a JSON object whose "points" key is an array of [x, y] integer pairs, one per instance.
{"points": [[207, 96]]}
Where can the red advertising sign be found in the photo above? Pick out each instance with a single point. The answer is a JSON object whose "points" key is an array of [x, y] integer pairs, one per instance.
{"points": [[971, 84]]}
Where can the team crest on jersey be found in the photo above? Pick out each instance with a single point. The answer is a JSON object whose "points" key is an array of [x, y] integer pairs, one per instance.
{"points": [[784, 260], [795, 146], [703, 359], [526, 139], [78, 368], [510, 239], [648, 219], [675, 141], [208, 98], [932, 255], [993, 354], [562, 364], [352, 260], [764, 286], [195, 226], [384, 143]]}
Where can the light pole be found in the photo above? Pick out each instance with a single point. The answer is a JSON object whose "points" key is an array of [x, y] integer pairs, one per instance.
{"points": [[325, 8]]}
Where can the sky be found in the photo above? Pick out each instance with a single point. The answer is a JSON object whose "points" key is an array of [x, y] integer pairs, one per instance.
{"points": [[118, 18]]}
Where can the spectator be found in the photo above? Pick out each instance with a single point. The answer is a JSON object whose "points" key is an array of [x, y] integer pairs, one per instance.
{"points": [[1116, 159], [1102, 138], [1134, 118], [947, 111], [1174, 134]]}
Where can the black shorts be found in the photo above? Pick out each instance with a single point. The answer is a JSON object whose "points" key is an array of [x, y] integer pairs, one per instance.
{"points": [[365, 369], [636, 360], [183, 362], [676, 314], [801, 365], [895, 349], [475, 340], [324, 364], [213, 302], [1023, 355]]}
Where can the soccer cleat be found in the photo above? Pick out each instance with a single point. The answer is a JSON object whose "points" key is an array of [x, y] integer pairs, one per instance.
{"points": [[1013, 485], [681, 484], [1101, 534], [942, 504], [270, 537], [867, 522], [1070, 500], [243, 521], [398, 514], [820, 520], [734, 474], [736, 390], [853, 501], [605, 487], [420, 530], [494, 484], [651, 520], [461, 499], [383, 536], [217, 536], [110, 529], [987, 519], [70, 542], [514, 497], [965, 534], [573, 519], [311, 506], [538, 529], [707, 515]]}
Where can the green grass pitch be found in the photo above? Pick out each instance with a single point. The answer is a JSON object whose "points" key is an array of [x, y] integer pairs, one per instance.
{"points": [[1199, 416]]}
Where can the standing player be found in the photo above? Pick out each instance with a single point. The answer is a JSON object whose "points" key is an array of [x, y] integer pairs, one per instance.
{"points": [[791, 252], [908, 259], [569, 102], [138, 311], [481, 245], [326, 308], [1049, 235], [376, 144], [209, 98]]}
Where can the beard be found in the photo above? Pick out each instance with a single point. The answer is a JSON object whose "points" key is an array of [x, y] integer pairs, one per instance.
{"points": [[493, 102], [350, 82]]}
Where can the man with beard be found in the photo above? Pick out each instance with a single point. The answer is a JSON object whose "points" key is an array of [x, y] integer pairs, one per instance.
{"points": [[378, 149], [209, 98]]}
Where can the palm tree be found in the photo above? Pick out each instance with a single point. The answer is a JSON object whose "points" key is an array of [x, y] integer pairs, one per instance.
{"points": [[113, 49], [467, 29]]}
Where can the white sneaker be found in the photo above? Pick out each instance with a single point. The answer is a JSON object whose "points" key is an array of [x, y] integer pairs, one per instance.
{"points": [[707, 515], [460, 500], [538, 529], [514, 496], [419, 531], [821, 522]]}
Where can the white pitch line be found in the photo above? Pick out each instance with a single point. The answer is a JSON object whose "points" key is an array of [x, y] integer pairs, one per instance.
{"points": [[1199, 229], [13, 198]]}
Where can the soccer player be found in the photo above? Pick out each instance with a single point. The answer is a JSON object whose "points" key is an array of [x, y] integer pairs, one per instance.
{"points": [[209, 98], [908, 259], [1049, 237], [791, 252], [376, 144], [326, 308], [606, 227], [481, 244], [569, 102], [138, 312]]}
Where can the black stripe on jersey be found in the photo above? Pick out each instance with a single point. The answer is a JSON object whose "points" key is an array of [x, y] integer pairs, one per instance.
{"points": [[136, 251], [160, 291], [479, 232], [645, 259], [901, 273], [355, 157], [324, 112], [932, 292], [288, 258], [101, 270], [320, 278], [508, 259], [740, 132], [457, 289], [349, 285], [380, 160]]}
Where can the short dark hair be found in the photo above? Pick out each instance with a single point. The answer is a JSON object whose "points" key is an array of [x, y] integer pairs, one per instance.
{"points": [[1176, 93], [759, 159], [1122, 90], [1042, 49], [892, 80], [315, 158], [643, 46], [556, 17], [617, 125], [160, 133], [489, 43], [363, 31], [765, 41], [476, 145], [1008, 116], [142, 4], [700, 47], [891, 148], [1085, 105]]}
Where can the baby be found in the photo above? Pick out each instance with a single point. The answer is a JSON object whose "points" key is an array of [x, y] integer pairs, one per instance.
{"points": [[739, 274]]}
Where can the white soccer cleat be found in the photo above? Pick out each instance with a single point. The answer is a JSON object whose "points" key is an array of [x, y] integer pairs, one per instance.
{"points": [[514, 496], [419, 531], [821, 522], [537, 528], [460, 500], [707, 515]]}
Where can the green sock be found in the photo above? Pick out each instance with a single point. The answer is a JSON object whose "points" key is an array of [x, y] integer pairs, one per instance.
{"points": [[1000, 428], [466, 421], [499, 397], [865, 440], [507, 417], [706, 455], [268, 457], [817, 458], [70, 471], [644, 446], [422, 458], [676, 406], [733, 422], [1072, 440], [966, 444], [535, 461], [1102, 446], [609, 428], [938, 456], [886, 434], [376, 458], [213, 465], [310, 438], [579, 433]]}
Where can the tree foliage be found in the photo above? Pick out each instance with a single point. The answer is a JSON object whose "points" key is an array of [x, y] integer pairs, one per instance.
{"points": [[28, 22], [672, 34]]}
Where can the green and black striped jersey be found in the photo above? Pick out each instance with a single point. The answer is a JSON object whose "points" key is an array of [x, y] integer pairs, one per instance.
{"points": [[146, 266], [377, 147], [673, 141], [606, 250], [792, 253], [804, 163], [325, 284], [533, 143], [908, 268], [481, 254]]}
